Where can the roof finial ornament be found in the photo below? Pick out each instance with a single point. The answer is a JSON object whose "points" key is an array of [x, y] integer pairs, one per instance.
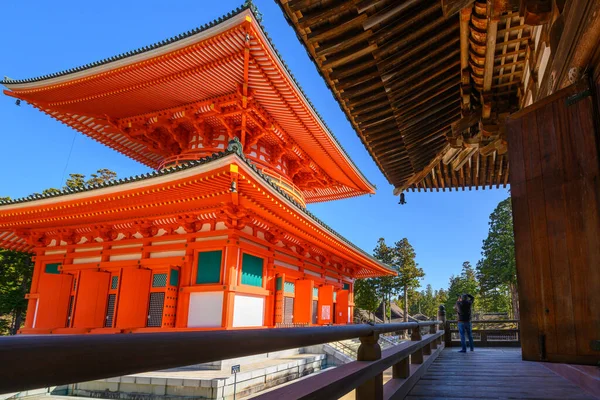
{"points": [[257, 14], [235, 146]]}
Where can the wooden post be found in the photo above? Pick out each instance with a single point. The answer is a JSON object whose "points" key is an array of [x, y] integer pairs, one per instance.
{"points": [[444, 325], [370, 350], [401, 370], [417, 356], [433, 331]]}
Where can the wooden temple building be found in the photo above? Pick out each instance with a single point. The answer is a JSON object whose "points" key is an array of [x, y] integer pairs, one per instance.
{"points": [[455, 94], [218, 237]]}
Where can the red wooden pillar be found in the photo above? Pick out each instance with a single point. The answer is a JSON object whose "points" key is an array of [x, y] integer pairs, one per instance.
{"points": [[34, 290], [232, 268]]}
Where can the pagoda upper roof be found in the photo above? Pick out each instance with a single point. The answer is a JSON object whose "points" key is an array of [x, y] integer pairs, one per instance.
{"points": [[194, 191], [194, 68]]}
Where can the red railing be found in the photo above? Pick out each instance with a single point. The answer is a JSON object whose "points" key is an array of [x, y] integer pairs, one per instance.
{"points": [[286, 185]]}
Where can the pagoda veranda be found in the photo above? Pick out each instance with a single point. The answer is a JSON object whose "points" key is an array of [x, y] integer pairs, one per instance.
{"points": [[219, 236]]}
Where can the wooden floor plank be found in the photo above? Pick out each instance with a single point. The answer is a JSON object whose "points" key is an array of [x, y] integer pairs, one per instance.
{"points": [[491, 374]]}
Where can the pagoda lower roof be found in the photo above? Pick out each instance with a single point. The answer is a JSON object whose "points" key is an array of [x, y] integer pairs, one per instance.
{"points": [[187, 74], [199, 191]]}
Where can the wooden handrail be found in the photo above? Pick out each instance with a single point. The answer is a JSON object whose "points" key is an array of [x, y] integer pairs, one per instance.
{"points": [[31, 362], [363, 375], [484, 333]]}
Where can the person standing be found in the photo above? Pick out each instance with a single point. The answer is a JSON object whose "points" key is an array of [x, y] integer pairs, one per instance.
{"points": [[463, 307]]}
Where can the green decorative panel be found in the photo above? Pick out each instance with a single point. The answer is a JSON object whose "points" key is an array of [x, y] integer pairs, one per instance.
{"points": [[289, 287], [114, 282], [316, 292], [279, 286], [159, 280], [209, 267], [346, 286], [52, 268], [174, 278], [252, 270]]}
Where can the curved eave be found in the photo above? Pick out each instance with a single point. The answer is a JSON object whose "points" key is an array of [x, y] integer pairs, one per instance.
{"points": [[212, 165], [326, 140]]}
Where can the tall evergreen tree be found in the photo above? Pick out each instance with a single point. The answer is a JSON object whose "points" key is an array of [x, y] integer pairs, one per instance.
{"points": [[16, 270], [466, 282], [496, 270], [365, 295], [409, 273], [385, 286]]}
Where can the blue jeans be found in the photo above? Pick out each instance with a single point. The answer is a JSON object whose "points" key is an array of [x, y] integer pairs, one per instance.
{"points": [[465, 328]]}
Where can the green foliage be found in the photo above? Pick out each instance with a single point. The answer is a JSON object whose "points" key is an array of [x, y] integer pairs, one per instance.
{"points": [[466, 282], [496, 271], [101, 176], [409, 273], [16, 270], [365, 294], [427, 301], [75, 181], [385, 287]]}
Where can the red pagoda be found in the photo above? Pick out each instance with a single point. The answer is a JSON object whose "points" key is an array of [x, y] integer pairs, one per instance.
{"points": [[218, 237]]}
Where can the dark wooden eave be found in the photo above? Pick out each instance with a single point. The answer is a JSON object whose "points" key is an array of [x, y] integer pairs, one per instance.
{"points": [[395, 69]]}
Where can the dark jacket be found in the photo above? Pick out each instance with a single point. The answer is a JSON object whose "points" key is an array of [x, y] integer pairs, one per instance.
{"points": [[463, 308]]}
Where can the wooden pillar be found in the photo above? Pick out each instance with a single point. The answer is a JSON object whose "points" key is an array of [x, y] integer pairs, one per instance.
{"points": [[402, 369], [232, 268], [370, 350], [33, 300], [433, 331], [417, 356], [555, 189]]}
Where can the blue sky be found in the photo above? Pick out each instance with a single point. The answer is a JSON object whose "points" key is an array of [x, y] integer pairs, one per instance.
{"points": [[44, 37]]}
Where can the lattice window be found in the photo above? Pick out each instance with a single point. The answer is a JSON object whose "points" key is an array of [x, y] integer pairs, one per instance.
{"points": [[114, 282], [159, 280], [110, 310], [74, 284], [155, 310], [288, 310], [315, 311]]}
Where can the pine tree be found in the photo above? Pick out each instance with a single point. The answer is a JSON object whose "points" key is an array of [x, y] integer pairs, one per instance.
{"points": [[409, 273], [496, 271], [466, 282], [385, 286]]}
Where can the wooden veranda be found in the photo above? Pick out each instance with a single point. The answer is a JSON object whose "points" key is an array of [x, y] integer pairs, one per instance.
{"points": [[461, 94], [424, 367]]}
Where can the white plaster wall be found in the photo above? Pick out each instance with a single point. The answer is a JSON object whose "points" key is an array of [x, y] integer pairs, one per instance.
{"points": [[248, 311], [163, 254], [86, 260], [206, 310], [123, 257]]}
